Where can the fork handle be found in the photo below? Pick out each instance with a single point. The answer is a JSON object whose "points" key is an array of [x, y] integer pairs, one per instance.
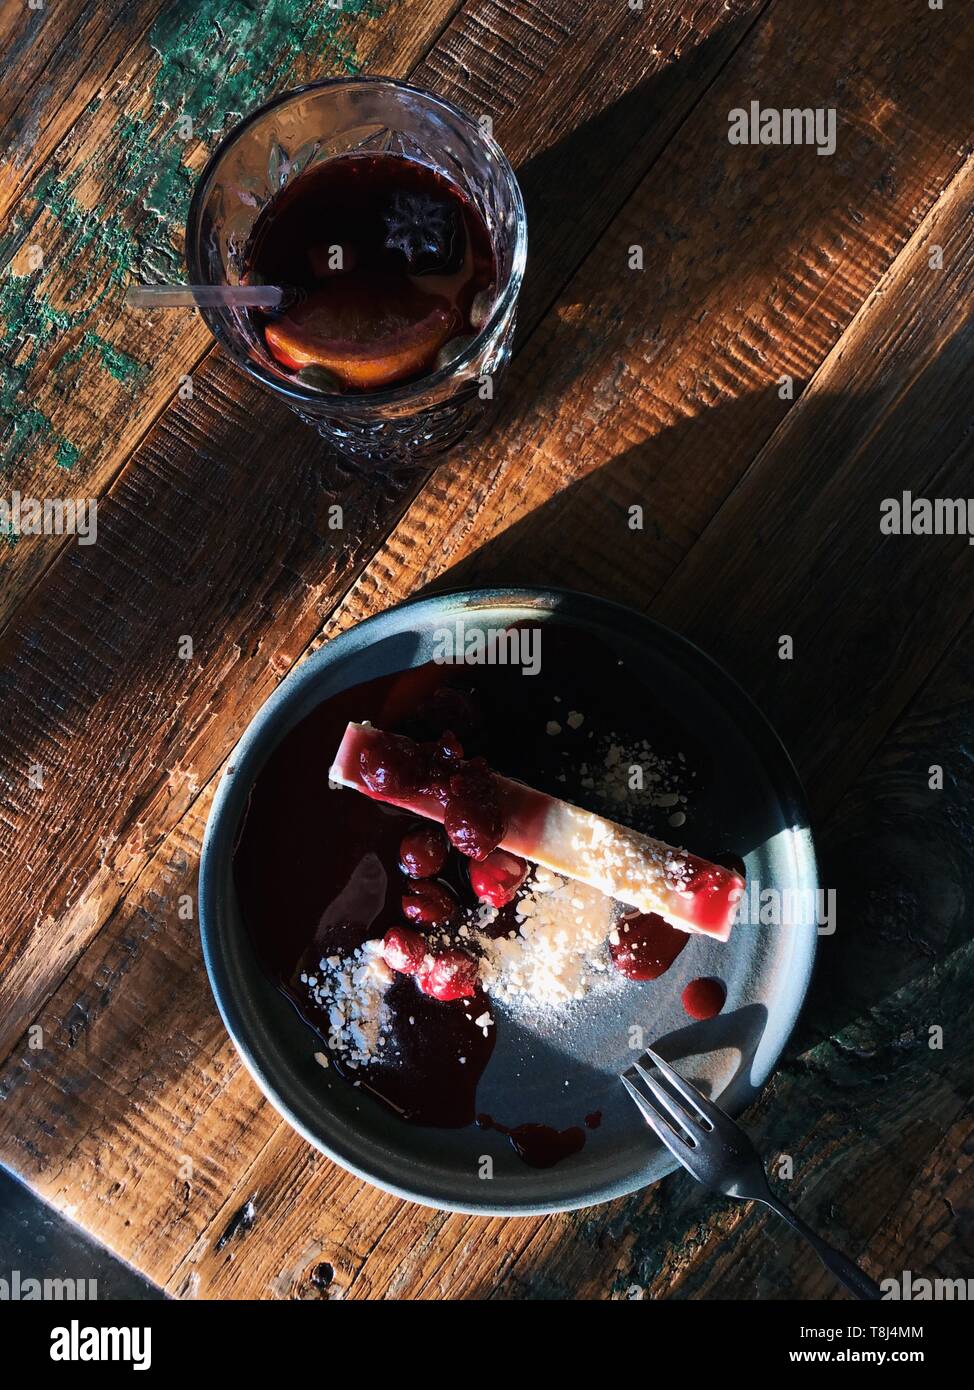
{"points": [[848, 1273]]}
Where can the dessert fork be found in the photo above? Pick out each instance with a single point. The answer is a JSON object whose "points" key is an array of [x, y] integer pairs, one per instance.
{"points": [[717, 1152]]}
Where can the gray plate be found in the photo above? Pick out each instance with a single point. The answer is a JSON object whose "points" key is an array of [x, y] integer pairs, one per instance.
{"points": [[554, 1075]]}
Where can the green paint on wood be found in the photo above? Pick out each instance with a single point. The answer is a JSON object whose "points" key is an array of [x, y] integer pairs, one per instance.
{"points": [[117, 363], [31, 323], [217, 60], [66, 455]]}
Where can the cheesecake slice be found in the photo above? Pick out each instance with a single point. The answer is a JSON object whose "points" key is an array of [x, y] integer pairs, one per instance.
{"points": [[643, 873]]}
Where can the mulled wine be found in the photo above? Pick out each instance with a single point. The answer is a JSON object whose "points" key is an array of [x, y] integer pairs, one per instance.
{"points": [[389, 268]]}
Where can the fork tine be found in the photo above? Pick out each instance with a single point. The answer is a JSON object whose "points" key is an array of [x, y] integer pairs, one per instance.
{"points": [[676, 1143], [672, 1109], [690, 1094]]}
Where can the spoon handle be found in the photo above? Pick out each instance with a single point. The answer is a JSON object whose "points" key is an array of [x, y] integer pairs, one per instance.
{"points": [[204, 296]]}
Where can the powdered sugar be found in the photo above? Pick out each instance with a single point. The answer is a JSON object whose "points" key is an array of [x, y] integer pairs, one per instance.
{"points": [[559, 950], [627, 778], [622, 862], [351, 989]]}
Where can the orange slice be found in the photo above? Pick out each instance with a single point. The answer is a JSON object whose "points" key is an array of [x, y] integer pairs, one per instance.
{"points": [[368, 333]]}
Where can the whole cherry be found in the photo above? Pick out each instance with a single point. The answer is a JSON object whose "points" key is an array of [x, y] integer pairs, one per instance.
{"points": [[403, 950], [473, 821], [497, 878], [428, 903], [391, 766], [450, 975], [475, 829], [423, 851]]}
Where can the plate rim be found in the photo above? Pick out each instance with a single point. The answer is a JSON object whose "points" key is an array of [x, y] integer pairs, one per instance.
{"points": [[219, 834]]}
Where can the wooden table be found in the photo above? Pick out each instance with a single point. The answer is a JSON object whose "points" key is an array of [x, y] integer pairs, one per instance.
{"points": [[794, 350]]}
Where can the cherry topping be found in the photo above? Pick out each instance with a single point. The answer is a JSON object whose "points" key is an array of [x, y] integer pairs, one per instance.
{"points": [[715, 893], [450, 975], [448, 748], [474, 821], [403, 950], [442, 760], [396, 767], [391, 766], [704, 998], [474, 829], [497, 878], [426, 230], [423, 851], [472, 779], [646, 946], [429, 904]]}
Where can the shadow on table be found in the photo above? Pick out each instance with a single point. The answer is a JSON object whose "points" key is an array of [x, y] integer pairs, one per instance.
{"points": [[38, 1244], [551, 179]]}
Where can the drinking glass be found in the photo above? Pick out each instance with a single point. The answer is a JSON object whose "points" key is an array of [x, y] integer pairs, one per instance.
{"points": [[299, 129]]}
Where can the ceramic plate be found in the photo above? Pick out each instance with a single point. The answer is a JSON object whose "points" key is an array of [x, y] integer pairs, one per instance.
{"points": [[540, 1073]]}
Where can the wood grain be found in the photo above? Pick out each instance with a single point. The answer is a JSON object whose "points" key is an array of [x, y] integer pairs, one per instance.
{"points": [[869, 614]]}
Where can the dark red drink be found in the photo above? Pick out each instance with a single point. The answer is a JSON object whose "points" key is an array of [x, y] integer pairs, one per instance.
{"points": [[393, 268]]}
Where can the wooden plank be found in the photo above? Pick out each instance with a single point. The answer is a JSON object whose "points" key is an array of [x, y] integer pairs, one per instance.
{"points": [[539, 71], [278, 567], [799, 543], [56, 61], [53, 61]]}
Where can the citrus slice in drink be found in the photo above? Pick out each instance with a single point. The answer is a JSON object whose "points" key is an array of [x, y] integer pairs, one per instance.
{"points": [[369, 331]]}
